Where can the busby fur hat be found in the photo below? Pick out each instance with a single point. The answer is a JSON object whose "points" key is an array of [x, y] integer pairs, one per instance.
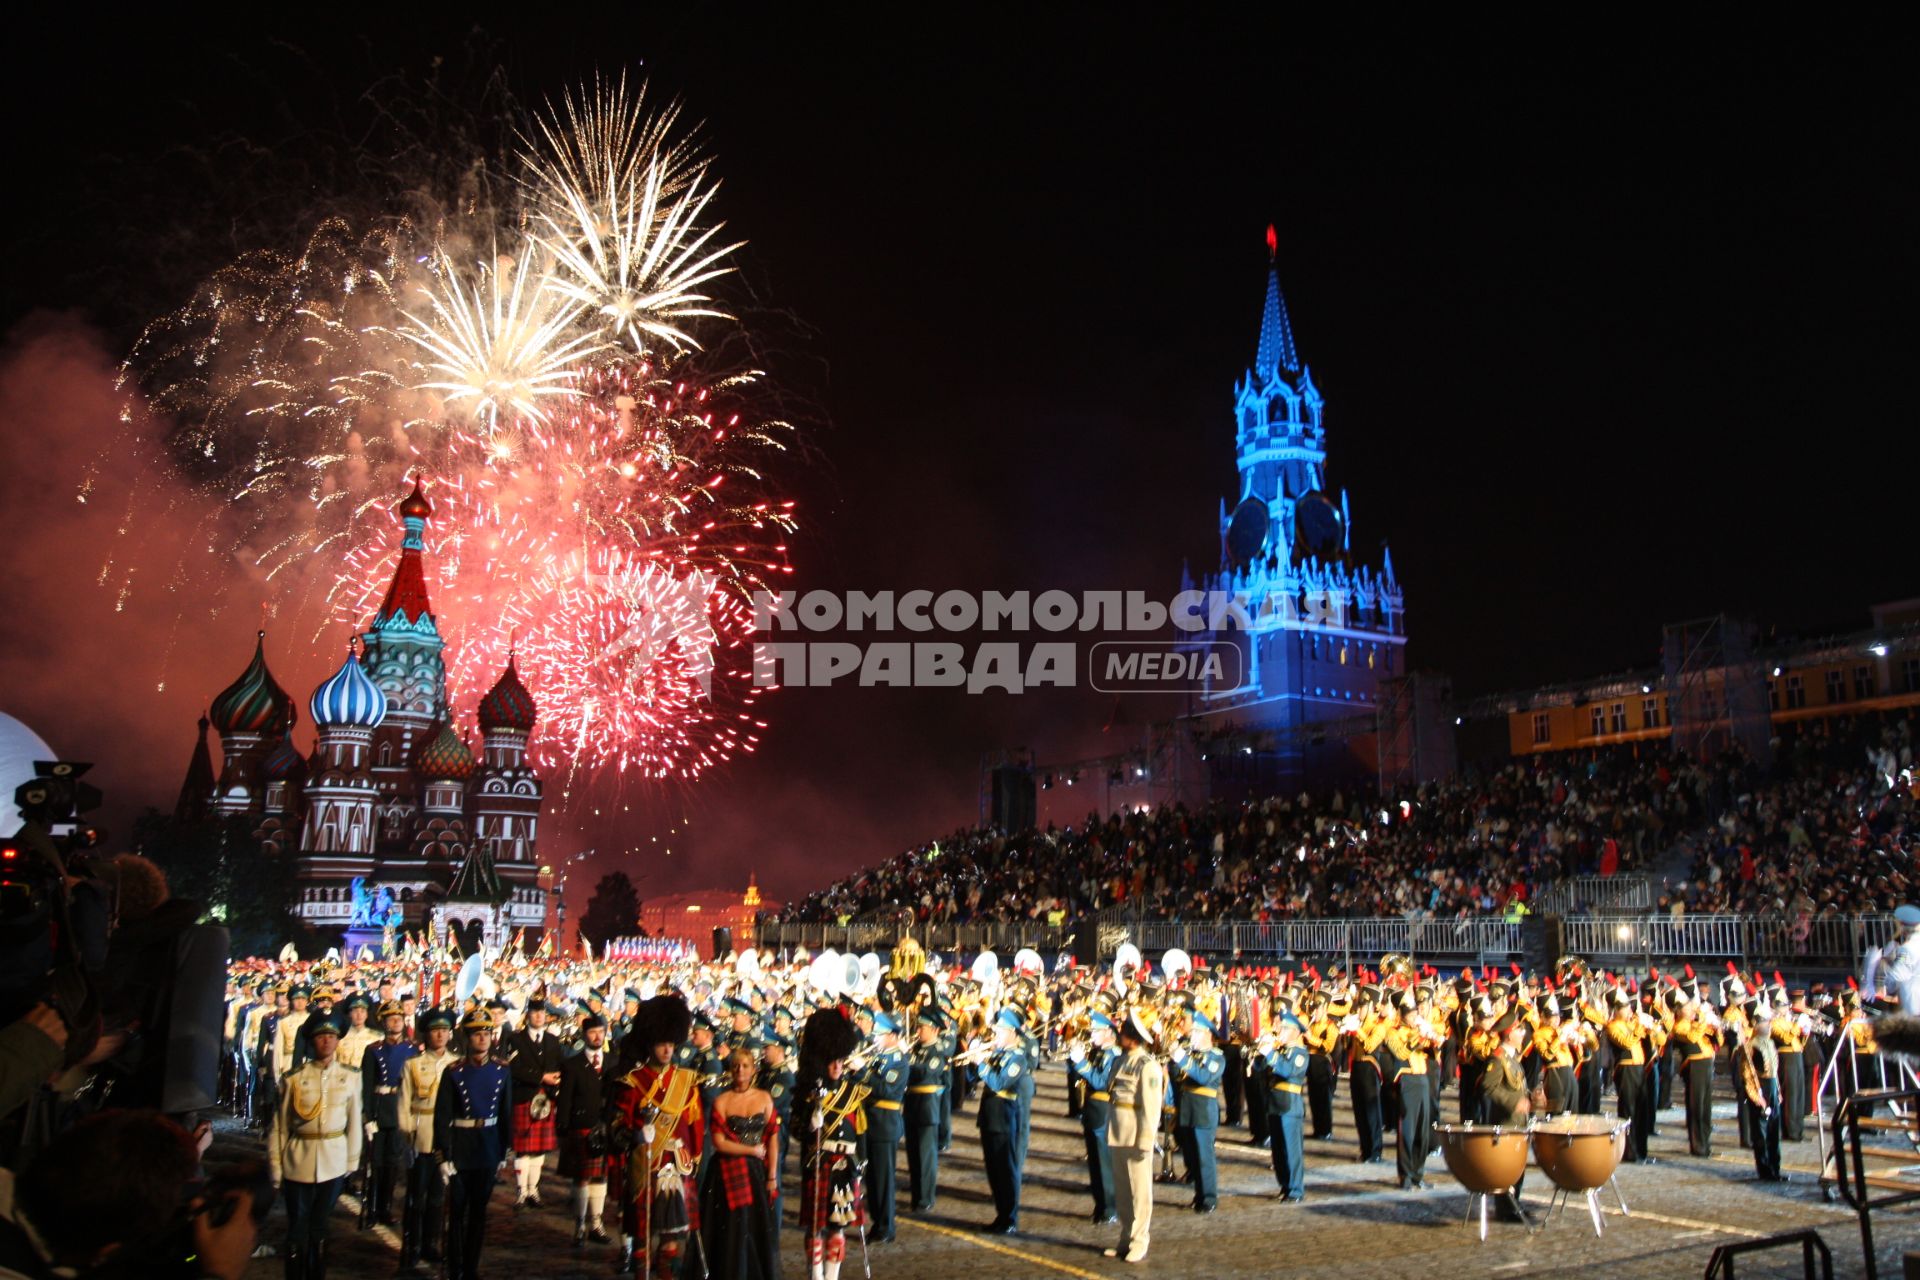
{"points": [[661, 1020], [1897, 1034], [828, 1036]]}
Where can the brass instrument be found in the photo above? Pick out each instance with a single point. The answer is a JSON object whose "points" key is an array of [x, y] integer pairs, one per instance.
{"points": [[1395, 965]]}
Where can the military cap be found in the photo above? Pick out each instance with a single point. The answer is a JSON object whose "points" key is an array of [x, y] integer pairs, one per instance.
{"points": [[478, 1020]]}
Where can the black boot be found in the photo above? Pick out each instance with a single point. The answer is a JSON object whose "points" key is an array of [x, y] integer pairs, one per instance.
{"points": [[317, 1260], [296, 1261]]}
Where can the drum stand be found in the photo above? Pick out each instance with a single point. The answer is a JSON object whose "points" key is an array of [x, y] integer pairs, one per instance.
{"points": [[1480, 1200], [1562, 1197]]}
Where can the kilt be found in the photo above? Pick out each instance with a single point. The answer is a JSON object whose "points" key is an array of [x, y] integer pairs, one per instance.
{"points": [[577, 1162], [830, 1196], [533, 1137]]}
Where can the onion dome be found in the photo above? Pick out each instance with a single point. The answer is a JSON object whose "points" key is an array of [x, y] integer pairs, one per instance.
{"points": [[445, 757], [415, 504], [349, 698], [508, 705], [284, 763], [255, 703]]}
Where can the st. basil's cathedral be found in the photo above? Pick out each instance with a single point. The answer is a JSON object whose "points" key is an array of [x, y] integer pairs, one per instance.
{"points": [[391, 818]]}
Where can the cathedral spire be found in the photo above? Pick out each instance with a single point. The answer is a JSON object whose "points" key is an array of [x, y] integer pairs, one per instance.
{"points": [[197, 790], [1276, 334], [407, 595]]}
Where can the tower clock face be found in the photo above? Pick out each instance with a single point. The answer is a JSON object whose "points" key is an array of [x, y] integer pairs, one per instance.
{"points": [[1317, 526], [1247, 532]]}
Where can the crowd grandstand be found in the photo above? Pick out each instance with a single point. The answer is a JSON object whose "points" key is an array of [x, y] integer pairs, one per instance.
{"points": [[1825, 830]]}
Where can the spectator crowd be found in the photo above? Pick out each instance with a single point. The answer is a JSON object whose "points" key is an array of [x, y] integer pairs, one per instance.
{"points": [[1824, 829]]}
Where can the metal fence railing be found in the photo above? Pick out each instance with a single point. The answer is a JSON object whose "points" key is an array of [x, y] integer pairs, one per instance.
{"points": [[1594, 893], [1616, 941]]}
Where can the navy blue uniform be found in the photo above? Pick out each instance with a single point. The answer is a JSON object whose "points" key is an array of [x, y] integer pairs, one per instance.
{"points": [[1096, 1110], [1196, 1078], [1001, 1078], [1286, 1089], [470, 1119], [926, 1091], [886, 1078], [382, 1067]]}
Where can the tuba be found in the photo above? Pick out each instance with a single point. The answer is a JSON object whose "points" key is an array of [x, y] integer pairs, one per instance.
{"points": [[1395, 965]]}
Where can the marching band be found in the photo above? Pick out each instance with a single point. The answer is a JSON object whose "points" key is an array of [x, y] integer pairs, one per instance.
{"points": [[681, 1106]]}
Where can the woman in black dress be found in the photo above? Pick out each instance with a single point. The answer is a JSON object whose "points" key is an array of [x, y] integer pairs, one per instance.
{"points": [[739, 1200]]}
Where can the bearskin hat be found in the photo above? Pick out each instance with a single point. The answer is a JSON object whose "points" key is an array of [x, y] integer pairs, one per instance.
{"points": [[661, 1020], [1897, 1034], [828, 1036]]}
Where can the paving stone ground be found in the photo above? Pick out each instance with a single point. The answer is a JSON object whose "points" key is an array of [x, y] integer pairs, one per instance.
{"points": [[1354, 1224]]}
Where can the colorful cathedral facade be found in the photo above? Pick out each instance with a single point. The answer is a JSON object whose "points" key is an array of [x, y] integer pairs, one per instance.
{"points": [[1326, 627], [392, 819]]}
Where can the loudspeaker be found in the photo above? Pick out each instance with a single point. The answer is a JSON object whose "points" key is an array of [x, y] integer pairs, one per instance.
{"points": [[722, 943], [1086, 942], [1015, 804], [1543, 940]]}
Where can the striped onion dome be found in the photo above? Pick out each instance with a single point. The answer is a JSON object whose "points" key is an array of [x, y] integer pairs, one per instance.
{"points": [[508, 705], [446, 756], [255, 703], [349, 698], [284, 762]]}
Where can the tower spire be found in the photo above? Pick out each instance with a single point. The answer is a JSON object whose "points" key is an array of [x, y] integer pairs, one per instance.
{"points": [[1276, 334], [407, 594]]}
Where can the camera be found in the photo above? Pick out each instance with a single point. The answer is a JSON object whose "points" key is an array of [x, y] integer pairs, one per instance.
{"points": [[176, 1256], [41, 948]]}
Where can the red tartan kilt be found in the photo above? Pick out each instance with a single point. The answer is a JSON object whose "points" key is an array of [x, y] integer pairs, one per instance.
{"points": [[577, 1162], [533, 1137], [816, 1197]]}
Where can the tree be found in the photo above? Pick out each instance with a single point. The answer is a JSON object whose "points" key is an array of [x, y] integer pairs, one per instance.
{"points": [[221, 864], [612, 912]]}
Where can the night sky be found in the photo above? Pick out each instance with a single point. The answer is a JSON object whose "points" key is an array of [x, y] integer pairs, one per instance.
{"points": [[1604, 343]]}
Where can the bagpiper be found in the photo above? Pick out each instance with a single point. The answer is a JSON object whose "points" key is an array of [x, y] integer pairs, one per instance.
{"points": [[657, 1110], [833, 1122]]}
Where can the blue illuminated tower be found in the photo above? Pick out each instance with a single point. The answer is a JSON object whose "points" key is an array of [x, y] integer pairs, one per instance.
{"points": [[1326, 626]]}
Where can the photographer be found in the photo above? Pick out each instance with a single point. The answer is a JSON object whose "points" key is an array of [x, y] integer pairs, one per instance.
{"points": [[120, 1196], [32, 1050]]}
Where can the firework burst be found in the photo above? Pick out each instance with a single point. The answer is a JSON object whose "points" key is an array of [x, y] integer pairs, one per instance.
{"points": [[602, 499]]}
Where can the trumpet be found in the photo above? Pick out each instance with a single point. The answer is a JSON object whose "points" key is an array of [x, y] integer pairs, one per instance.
{"points": [[1816, 1023], [976, 1052]]}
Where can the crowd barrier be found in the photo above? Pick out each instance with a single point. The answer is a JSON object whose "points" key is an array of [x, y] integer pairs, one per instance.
{"points": [[1613, 941]]}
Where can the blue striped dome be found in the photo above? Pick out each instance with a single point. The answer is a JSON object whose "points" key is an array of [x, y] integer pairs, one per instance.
{"points": [[348, 698]]}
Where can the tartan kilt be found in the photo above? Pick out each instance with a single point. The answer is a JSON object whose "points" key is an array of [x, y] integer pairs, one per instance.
{"points": [[576, 1161], [831, 1198], [533, 1137]]}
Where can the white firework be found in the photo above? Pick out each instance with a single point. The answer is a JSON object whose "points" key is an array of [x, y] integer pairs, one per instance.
{"points": [[503, 346], [621, 209]]}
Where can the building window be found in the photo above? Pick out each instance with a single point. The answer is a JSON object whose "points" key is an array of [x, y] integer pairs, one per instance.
{"points": [[1836, 686], [1912, 669], [1773, 695], [1796, 692], [1343, 655], [1618, 718], [1650, 713], [1863, 682], [1542, 728], [1599, 720]]}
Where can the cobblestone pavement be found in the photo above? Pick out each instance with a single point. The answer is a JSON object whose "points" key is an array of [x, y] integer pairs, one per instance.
{"points": [[1355, 1223]]}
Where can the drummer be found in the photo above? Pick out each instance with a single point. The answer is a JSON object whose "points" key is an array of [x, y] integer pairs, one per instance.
{"points": [[1503, 1094]]}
